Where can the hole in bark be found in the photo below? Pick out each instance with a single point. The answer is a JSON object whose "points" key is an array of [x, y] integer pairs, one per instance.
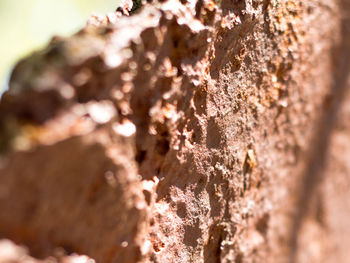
{"points": [[140, 156], [262, 224], [148, 196], [176, 43], [162, 146]]}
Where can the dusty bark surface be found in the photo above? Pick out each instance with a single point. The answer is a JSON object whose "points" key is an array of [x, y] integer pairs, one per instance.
{"points": [[187, 132]]}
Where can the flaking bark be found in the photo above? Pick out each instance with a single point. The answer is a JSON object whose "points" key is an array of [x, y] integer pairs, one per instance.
{"points": [[183, 133]]}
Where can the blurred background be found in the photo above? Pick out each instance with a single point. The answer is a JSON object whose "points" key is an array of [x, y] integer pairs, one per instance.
{"points": [[27, 25]]}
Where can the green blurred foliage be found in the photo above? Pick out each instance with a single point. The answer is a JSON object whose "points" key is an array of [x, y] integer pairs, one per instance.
{"points": [[26, 25]]}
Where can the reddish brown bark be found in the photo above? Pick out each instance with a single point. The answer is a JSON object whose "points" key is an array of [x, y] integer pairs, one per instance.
{"points": [[187, 132]]}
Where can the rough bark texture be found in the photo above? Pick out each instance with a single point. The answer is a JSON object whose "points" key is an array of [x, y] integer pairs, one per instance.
{"points": [[187, 132]]}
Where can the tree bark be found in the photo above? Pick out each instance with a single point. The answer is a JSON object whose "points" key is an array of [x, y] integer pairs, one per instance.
{"points": [[186, 132]]}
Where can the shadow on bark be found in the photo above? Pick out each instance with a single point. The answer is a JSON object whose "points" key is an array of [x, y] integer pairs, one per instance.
{"points": [[314, 171]]}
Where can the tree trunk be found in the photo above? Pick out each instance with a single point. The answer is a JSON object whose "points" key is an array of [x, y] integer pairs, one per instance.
{"points": [[185, 132]]}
